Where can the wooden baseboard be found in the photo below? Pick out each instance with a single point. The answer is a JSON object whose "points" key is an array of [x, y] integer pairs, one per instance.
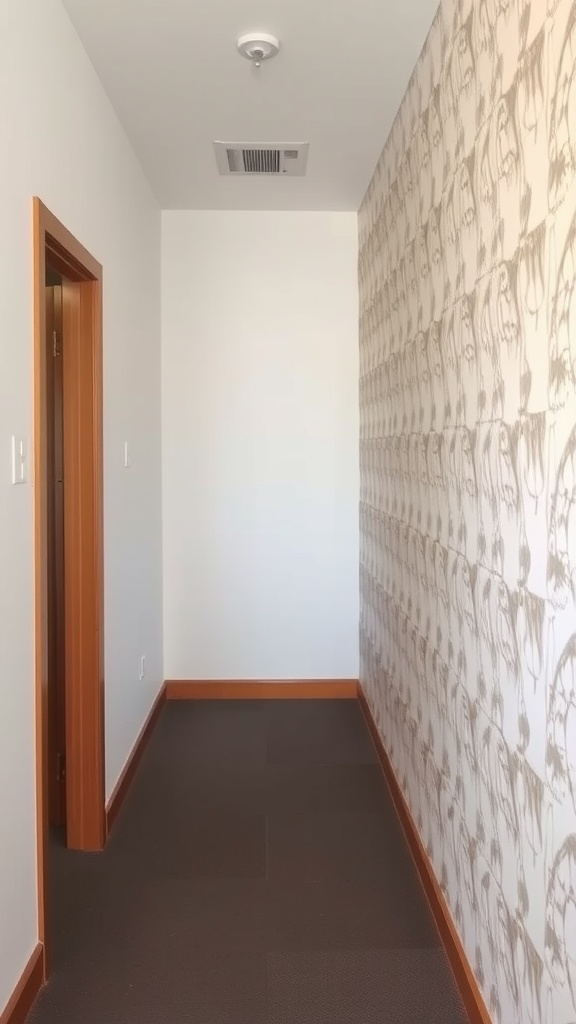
{"points": [[463, 973], [31, 981], [261, 689], [122, 786]]}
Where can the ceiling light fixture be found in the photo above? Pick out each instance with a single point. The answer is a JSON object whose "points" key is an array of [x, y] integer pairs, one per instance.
{"points": [[258, 47]]}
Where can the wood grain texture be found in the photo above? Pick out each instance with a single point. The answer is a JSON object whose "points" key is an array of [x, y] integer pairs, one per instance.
{"points": [[40, 499], [122, 786], [261, 689], [83, 544], [65, 253], [22, 999], [55, 511], [465, 978], [83, 553]]}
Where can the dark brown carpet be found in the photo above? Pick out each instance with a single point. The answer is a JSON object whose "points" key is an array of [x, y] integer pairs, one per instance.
{"points": [[257, 874]]}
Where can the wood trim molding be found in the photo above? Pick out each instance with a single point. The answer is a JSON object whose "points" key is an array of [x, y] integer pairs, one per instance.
{"points": [[83, 561], [465, 978], [67, 254], [83, 545], [261, 689], [128, 772], [23, 996]]}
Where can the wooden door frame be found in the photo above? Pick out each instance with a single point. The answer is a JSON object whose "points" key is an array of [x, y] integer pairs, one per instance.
{"points": [[83, 545], [55, 551]]}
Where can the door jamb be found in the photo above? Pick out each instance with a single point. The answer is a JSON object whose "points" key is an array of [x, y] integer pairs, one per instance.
{"points": [[84, 606]]}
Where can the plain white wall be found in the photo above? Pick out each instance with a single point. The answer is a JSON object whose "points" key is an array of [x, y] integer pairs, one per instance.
{"points": [[61, 140], [260, 445]]}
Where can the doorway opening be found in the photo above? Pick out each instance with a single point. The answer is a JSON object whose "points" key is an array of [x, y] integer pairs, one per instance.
{"points": [[56, 691], [68, 546]]}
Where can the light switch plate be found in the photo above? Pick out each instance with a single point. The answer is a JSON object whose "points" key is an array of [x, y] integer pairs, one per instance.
{"points": [[19, 460]]}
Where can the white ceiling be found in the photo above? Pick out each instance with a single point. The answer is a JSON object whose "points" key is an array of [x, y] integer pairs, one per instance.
{"points": [[172, 72]]}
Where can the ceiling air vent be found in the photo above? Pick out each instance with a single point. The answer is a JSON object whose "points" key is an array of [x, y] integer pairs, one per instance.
{"points": [[235, 158]]}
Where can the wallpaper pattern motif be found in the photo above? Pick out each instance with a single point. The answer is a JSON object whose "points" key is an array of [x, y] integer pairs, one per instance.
{"points": [[468, 483]]}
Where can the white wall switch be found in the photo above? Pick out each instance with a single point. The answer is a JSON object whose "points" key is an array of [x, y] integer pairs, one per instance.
{"points": [[126, 455], [142, 666], [19, 460]]}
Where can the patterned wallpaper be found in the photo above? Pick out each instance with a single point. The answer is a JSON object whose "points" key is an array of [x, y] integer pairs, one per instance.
{"points": [[468, 483]]}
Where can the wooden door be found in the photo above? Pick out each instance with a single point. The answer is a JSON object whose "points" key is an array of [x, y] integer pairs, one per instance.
{"points": [[55, 537], [70, 436]]}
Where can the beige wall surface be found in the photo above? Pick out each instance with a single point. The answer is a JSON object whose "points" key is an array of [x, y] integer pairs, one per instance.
{"points": [[260, 444], [62, 141]]}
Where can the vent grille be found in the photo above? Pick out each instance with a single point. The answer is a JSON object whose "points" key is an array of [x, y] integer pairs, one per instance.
{"points": [[256, 158], [261, 161]]}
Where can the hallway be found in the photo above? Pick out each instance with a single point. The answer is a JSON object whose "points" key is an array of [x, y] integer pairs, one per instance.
{"points": [[257, 874]]}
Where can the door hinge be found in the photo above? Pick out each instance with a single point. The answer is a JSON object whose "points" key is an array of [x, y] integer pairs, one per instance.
{"points": [[56, 349], [61, 767]]}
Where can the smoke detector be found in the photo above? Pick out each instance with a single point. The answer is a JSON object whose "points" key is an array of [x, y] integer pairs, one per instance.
{"points": [[258, 47]]}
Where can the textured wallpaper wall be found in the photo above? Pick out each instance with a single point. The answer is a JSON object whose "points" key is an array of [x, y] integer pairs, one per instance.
{"points": [[468, 493]]}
